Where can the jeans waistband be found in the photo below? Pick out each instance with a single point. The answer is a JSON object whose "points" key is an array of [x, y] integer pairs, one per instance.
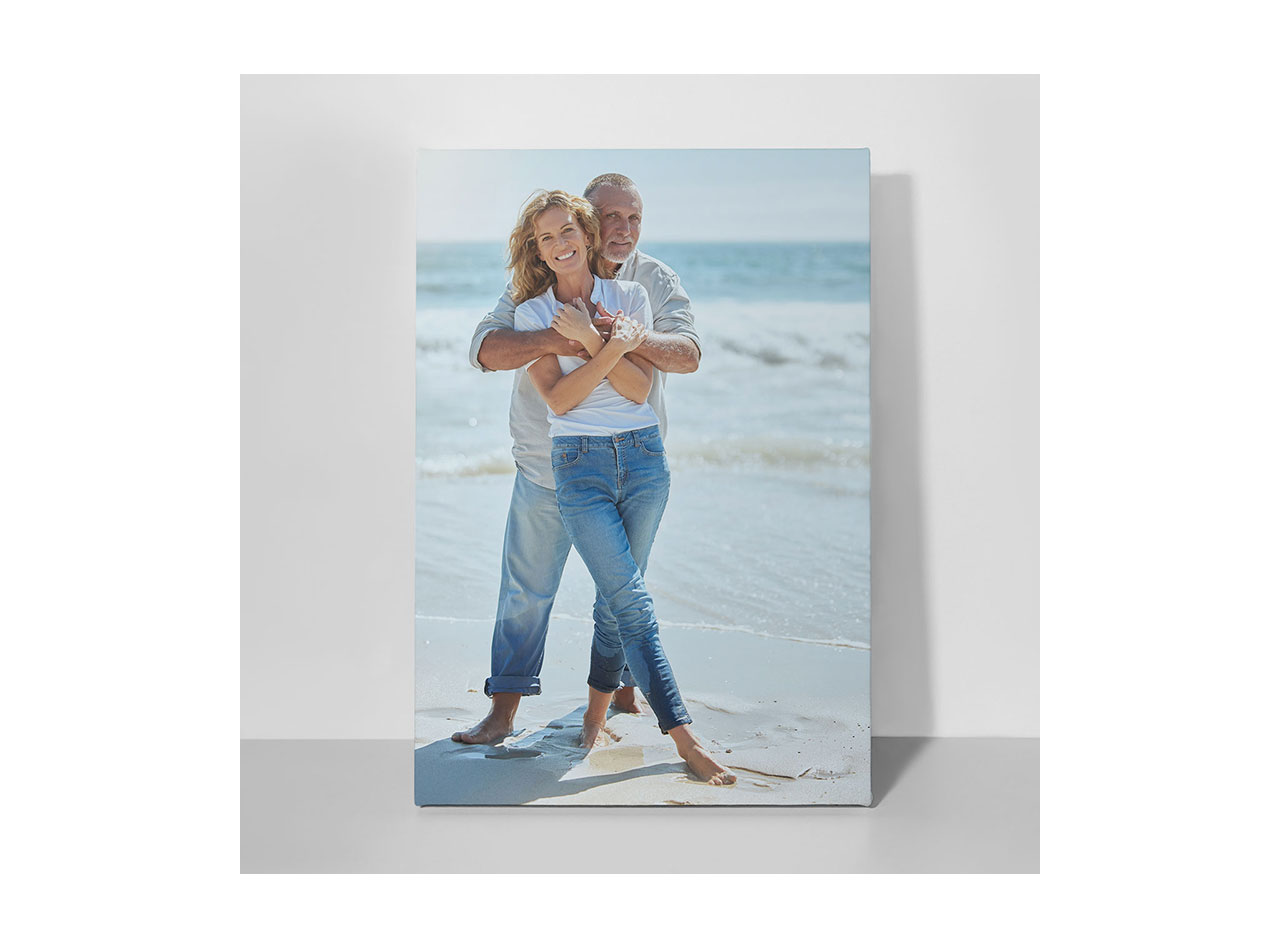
{"points": [[635, 436]]}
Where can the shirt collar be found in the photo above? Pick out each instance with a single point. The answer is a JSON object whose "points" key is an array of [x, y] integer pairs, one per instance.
{"points": [[596, 291]]}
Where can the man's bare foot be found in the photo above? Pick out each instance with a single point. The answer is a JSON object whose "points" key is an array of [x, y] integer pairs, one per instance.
{"points": [[497, 724], [595, 733], [624, 700], [704, 766]]}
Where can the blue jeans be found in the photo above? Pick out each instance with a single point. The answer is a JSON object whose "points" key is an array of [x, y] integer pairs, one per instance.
{"points": [[612, 492], [533, 558]]}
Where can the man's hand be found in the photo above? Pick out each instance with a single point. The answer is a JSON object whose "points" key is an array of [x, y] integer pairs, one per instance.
{"points": [[568, 347], [668, 352], [628, 333], [603, 320], [624, 329], [504, 349]]}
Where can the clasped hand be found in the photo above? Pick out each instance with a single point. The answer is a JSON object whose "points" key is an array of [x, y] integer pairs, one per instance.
{"points": [[573, 321], [629, 333]]}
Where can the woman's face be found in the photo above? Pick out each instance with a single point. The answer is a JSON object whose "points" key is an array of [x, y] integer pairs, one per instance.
{"points": [[560, 241]]}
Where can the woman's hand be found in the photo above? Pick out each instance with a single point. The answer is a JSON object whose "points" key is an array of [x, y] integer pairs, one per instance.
{"points": [[574, 322], [628, 333]]}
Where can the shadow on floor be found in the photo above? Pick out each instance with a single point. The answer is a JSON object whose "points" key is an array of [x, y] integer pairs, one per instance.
{"points": [[891, 757]]}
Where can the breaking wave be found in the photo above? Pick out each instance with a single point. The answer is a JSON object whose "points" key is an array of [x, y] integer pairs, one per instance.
{"points": [[737, 453]]}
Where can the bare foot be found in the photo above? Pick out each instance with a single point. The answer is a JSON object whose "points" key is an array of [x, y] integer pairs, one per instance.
{"points": [[624, 700], [595, 733], [497, 724], [594, 730], [704, 766]]}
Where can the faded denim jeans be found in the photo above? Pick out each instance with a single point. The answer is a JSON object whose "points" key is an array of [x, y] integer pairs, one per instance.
{"points": [[534, 552], [612, 492]]}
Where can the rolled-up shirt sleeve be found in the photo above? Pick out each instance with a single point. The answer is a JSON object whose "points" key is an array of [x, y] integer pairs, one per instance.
{"points": [[502, 317], [527, 317], [672, 311]]}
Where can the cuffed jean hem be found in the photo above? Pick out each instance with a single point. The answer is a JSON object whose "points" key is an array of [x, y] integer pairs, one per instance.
{"points": [[599, 685], [682, 719], [628, 681], [664, 728], [512, 685]]}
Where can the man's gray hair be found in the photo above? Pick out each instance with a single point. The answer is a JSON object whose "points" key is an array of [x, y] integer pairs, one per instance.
{"points": [[616, 180]]}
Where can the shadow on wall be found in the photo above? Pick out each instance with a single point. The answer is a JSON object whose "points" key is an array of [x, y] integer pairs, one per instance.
{"points": [[902, 699]]}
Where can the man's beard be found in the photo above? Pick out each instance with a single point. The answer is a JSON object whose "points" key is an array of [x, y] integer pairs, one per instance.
{"points": [[605, 254]]}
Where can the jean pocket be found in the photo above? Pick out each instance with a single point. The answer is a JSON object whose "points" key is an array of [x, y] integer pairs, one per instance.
{"points": [[652, 445], [563, 455]]}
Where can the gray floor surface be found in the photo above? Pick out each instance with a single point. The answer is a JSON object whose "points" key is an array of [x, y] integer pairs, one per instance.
{"points": [[941, 805]]}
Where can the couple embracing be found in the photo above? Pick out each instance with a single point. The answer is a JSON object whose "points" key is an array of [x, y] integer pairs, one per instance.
{"points": [[596, 323]]}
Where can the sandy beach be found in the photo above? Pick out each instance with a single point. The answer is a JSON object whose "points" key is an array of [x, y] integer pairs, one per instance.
{"points": [[785, 750]]}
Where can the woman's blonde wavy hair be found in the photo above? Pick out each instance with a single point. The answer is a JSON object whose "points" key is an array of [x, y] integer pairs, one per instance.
{"points": [[529, 275]]}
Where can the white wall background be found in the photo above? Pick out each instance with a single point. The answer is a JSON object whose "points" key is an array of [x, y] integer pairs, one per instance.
{"points": [[327, 372]]}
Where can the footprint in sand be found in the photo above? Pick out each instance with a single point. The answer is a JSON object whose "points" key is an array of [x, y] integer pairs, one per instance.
{"points": [[616, 759]]}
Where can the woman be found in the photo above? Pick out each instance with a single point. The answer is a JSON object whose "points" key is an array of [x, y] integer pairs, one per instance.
{"points": [[610, 468]]}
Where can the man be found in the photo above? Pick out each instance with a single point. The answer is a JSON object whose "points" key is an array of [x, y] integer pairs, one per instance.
{"points": [[536, 545]]}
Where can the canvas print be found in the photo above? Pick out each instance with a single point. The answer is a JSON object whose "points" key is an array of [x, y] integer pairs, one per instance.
{"points": [[643, 478]]}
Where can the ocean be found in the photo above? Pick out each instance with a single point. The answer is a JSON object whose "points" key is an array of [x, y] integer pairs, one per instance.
{"points": [[767, 533]]}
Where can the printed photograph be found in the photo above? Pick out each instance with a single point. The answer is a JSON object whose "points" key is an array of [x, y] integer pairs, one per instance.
{"points": [[643, 448]]}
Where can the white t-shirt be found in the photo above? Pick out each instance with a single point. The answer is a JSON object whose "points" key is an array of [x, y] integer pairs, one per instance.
{"points": [[530, 435], [603, 412]]}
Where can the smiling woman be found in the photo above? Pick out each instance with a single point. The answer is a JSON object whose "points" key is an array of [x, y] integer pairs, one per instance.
{"points": [[532, 270]]}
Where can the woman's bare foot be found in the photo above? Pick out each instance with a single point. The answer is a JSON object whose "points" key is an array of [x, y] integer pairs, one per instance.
{"points": [[497, 724], [703, 765], [593, 727], [595, 733], [624, 700]]}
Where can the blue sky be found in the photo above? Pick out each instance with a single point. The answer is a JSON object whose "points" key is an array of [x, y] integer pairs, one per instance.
{"points": [[689, 195]]}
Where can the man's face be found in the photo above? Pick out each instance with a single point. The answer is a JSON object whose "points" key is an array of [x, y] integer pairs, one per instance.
{"points": [[619, 210]]}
